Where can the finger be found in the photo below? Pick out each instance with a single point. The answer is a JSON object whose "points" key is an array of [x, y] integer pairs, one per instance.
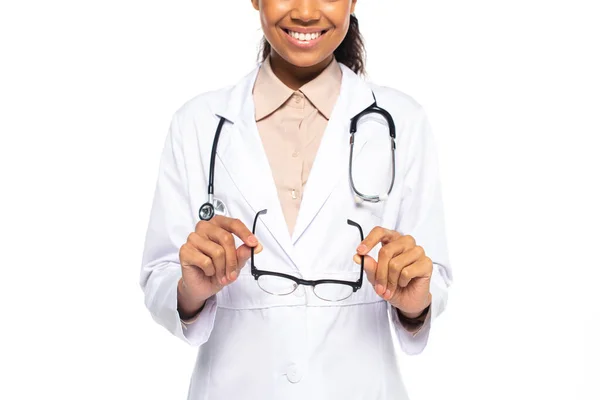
{"points": [[236, 227], [383, 259], [420, 269], [204, 243], [226, 257], [378, 234], [397, 264], [210, 246], [190, 256], [388, 251], [244, 253], [370, 267]]}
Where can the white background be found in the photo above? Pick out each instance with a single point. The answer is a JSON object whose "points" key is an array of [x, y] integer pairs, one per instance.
{"points": [[87, 90]]}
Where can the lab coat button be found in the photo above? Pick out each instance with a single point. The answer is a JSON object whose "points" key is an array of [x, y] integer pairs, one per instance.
{"points": [[293, 374]]}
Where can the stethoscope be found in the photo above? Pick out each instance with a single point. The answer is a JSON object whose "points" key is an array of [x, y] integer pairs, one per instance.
{"points": [[216, 206]]}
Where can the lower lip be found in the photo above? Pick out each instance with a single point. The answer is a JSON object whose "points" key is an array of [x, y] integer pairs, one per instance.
{"points": [[302, 44]]}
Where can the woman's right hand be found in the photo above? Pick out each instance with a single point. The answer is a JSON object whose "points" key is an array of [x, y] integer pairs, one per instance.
{"points": [[210, 261]]}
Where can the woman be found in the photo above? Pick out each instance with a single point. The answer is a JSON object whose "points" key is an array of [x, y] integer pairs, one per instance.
{"points": [[294, 319]]}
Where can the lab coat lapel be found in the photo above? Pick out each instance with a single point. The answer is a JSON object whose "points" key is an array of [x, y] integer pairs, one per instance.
{"points": [[331, 161], [244, 158]]}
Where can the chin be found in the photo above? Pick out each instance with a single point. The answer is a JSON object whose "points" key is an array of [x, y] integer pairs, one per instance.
{"points": [[305, 60]]}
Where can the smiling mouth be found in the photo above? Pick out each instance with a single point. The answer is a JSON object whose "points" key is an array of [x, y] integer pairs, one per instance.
{"points": [[305, 37]]}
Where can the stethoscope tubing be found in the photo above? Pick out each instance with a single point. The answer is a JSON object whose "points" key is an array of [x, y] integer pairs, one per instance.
{"points": [[207, 210], [373, 109], [213, 156]]}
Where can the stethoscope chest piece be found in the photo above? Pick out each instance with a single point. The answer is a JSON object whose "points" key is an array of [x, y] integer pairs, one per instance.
{"points": [[209, 210]]}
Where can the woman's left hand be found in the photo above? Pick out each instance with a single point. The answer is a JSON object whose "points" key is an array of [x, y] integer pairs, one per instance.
{"points": [[402, 273]]}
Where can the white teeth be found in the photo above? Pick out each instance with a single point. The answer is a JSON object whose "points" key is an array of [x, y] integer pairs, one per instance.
{"points": [[304, 37]]}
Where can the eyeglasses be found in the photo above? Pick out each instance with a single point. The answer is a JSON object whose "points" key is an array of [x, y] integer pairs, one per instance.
{"points": [[281, 284]]}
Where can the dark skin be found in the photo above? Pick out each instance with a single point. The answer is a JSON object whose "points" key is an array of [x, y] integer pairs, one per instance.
{"points": [[209, 259], [292, 65]]}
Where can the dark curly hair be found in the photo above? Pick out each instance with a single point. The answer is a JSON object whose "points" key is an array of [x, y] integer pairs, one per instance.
{"points": [[351, 52]]}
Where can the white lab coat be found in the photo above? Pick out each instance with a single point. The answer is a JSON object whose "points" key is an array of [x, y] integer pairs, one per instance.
{"points": [[254, 345]]}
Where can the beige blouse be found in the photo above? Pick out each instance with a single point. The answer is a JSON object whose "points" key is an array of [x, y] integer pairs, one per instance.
{"points": [[291, 125]]}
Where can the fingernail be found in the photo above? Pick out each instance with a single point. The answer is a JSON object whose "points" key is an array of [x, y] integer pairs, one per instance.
{"points": [[252, 239], [379, 289], [258, 248], [233, 275], [356, 258], [388, 294], [361, 249], [223, 281]]}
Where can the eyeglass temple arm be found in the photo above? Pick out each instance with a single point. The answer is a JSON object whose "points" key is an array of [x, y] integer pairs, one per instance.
{"points": [[362, 258], [261, 212]]}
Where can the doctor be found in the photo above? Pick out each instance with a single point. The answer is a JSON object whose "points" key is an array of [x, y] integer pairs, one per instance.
{"points": [[295, 320]]}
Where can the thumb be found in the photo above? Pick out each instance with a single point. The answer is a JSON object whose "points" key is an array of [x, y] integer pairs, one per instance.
{"points": [[370, 267], [243, 254]]}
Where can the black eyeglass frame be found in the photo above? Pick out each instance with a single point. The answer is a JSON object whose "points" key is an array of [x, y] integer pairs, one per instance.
{"points": [[257, 273]]}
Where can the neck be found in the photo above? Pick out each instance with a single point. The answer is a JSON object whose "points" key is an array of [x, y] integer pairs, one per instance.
{"points": [[293, 76]]}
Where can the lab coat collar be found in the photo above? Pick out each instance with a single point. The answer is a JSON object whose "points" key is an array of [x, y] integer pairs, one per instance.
{"points": [[355, 96], [231, 106], [245, 160]]}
